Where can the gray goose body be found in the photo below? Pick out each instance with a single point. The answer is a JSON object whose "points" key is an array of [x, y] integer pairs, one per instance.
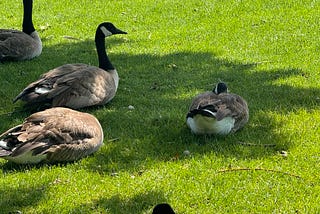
{"points": [[217, 112], [54, 135], [78, 85], [21, 45]]}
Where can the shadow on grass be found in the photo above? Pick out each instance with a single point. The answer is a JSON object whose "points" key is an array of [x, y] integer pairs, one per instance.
{"points": [[13, 200], [160, 89], [11, 167], [139, 203]]}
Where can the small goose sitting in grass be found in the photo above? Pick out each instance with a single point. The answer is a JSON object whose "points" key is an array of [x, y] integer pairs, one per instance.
{"points": [[54, 135], [78, 85], [217, 112], [21, 45]]}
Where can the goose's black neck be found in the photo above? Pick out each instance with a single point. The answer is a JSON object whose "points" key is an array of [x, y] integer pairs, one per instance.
{"points": [[27, 25], [104, 61]]}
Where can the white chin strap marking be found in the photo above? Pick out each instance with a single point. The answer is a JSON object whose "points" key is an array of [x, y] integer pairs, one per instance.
{"points": [[105, 31]]}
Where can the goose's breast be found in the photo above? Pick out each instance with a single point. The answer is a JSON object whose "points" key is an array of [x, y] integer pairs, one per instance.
{"points": [[200, 124]]}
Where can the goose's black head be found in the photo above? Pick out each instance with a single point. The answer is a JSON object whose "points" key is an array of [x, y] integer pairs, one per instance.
{"points": [[108, 29], [221, 87], [163, 209]]}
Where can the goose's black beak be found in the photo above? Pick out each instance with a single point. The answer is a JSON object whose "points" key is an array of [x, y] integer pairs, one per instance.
{"points": [[118, 31]]}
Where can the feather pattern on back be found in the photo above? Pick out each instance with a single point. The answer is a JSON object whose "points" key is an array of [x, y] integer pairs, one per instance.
{"points": [[54, 135], [221, 106], [72, 85]]}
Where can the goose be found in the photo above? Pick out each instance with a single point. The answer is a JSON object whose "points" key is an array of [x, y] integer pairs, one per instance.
{"points": [[54, 135], [77, 85], [18, 45], [163, 208], [217, 112]]}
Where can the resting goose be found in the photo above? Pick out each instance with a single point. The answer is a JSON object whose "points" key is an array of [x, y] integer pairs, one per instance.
{"points": [[54, 135], [21, 45], [217, 112], [78, 85]]}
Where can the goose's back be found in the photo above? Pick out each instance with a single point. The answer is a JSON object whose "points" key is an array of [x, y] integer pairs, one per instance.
{"points": [[204, 99], [17, 45], [55, 135], [224, 105], [87, 86], [73, 85]]}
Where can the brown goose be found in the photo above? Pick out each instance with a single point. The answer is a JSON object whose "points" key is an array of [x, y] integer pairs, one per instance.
{"points": [[78, 85], [54, 135], [217, 112], [21, 45]]}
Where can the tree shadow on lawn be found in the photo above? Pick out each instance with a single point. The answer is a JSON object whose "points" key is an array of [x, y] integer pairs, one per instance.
{"points": [[140, 203], [161, 88], [13, 200]]}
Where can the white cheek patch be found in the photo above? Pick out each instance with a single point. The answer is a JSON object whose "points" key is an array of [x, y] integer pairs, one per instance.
{"points": [[105, 31]]}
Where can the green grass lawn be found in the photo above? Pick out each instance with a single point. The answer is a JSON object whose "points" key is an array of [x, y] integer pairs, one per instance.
{"points": [[266, 51]]}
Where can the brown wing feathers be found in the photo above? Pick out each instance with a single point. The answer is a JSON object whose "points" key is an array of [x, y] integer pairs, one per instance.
{"points": [[63, 134]]}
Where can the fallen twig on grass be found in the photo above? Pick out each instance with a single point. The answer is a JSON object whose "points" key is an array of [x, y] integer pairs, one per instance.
{"points": [[71, 38], [114, 139]]}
